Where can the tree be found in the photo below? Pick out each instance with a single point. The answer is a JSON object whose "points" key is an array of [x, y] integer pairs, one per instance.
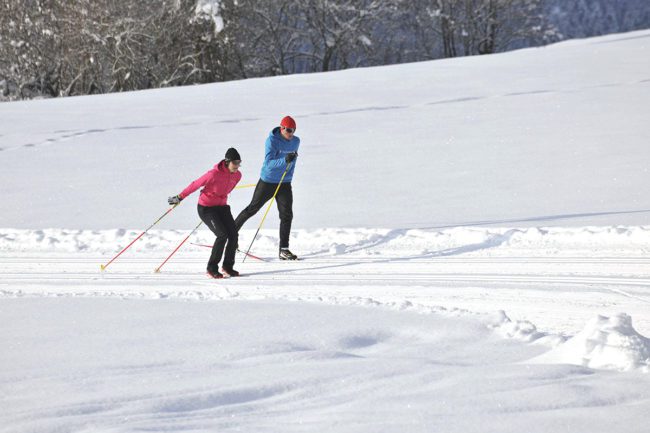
{"points": [[339, 32], [77, 47]]}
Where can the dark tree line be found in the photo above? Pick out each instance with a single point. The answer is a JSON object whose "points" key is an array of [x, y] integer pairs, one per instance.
{"points": [[77, 47], [585, 18]]}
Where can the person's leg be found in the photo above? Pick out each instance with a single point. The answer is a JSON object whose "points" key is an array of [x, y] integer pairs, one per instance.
{"points": [[285, 208], [263, 193], [210, 216], [228, 224]]}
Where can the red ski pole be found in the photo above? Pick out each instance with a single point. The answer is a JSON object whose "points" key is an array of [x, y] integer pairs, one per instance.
{"points": [[178, 247], [141, 234]]}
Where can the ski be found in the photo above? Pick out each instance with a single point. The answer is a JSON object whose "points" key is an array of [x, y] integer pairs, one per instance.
{"points": [[252, 256], [238, 250]]}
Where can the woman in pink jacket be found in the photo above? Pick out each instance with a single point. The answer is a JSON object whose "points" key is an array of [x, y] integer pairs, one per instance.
{"points": [[215, 213]]}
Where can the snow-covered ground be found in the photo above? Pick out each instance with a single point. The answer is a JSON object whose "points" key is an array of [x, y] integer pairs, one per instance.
{"points": [[475, 234], [556, 278], [108, 365]]}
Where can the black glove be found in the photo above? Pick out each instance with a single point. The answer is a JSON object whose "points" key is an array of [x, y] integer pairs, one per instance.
{"points": [[290, 157], [175, 199]]}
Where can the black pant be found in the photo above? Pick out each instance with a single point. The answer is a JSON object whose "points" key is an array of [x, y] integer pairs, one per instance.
{"points": [[219, 220], [264, 192]]}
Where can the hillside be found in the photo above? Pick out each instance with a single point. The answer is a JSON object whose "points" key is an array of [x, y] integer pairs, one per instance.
{"points": [[553, 136]]}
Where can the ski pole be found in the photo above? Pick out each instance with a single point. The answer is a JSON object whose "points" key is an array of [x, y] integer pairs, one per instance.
{"points": [[250, 185], [178, 247], [246, 254], [141, 234]]}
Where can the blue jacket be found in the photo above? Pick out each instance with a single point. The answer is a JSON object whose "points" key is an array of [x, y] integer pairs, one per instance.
{"points": [[276, 148]]}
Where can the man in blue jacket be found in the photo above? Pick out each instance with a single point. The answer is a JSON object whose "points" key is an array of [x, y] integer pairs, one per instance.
{"points": [[281, 151]]}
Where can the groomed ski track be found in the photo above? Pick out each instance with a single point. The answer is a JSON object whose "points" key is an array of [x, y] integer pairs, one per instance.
{"points": [[557, 294]]}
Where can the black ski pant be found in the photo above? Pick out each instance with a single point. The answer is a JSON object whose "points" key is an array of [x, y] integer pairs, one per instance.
{"points": [[264, 192], [219, 220]]}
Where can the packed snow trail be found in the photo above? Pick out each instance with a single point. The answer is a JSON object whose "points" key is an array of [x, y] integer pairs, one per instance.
{"points": [[557, 279]]}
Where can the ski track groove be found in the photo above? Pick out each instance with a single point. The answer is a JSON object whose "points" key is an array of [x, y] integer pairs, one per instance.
{"points": [[398, 271], [351, 277], [521, 259]]}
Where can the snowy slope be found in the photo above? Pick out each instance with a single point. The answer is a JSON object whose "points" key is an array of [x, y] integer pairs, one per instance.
{"points": [[546, 136], [475, 234]]}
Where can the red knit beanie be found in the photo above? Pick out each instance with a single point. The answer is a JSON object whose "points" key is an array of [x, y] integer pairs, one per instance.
{"points": [[288, 122]]}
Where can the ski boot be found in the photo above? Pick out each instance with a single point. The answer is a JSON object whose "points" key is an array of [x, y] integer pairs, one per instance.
{"points": [[230, 272], [285, 254], [214, 274]]}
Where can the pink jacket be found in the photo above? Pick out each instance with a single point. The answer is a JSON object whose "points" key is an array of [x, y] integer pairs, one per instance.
{"points": [[217, 184]]}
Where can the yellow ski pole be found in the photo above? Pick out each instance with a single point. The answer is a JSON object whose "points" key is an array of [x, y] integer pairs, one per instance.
{"points": [[267, 211]]}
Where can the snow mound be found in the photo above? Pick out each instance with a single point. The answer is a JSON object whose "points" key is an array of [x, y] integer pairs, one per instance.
{"points": [[605, 343], [518, 330], [521, 330], [417, 243]]}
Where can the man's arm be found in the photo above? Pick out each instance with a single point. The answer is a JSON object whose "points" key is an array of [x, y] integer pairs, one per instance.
{"points": [[272, 157]]}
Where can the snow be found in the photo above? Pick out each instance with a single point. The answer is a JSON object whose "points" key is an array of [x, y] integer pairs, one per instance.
{"points": [[209, 9], [274, 366], [475, 238], [538, 241], [605, 342]]}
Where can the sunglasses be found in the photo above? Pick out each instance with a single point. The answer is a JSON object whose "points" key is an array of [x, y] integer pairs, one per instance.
{"points": [[289, 130], [236, 161]]}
